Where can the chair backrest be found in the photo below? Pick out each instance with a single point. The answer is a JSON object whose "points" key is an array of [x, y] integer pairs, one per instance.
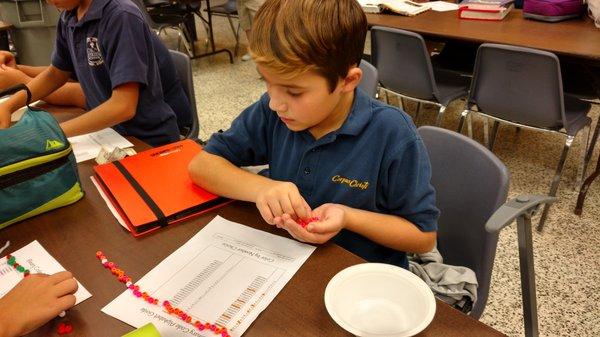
{"points": [[183, 65], [471, 183], [403, 62], [369, 81], [142, 6], [518, 84]]}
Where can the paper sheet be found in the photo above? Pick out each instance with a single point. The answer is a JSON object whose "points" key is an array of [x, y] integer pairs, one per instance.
{"points": [[88, 146], [226, 274], [112, 208], [35, 258], [442, 6]]}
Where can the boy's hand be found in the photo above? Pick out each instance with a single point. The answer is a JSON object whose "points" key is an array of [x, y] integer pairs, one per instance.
{"points": [[34, 301], [8, 59], [279, 199], [331, 221]]}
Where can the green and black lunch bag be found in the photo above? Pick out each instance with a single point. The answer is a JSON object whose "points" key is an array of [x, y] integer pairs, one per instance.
{"points": [[38, 171]]}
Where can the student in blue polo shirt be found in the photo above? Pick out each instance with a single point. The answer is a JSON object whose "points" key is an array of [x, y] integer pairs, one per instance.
{"points": [[335, 154], [108, 47], [71, 94]]}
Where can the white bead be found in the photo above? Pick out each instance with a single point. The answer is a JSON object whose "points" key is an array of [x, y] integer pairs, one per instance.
{"points": [[62, 314], [104, 261]]}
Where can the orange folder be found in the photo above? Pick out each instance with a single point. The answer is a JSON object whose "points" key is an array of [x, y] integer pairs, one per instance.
{"points": [[153, 189]]}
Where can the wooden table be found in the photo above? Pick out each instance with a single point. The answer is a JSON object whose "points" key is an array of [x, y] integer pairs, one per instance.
{"points": [[74, 233], [576, 38]]}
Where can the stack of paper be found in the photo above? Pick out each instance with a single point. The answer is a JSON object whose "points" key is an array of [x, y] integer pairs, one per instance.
{"points": [[89, 146]]}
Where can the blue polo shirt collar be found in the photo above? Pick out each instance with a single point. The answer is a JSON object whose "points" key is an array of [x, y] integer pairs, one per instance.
{"points": [[360, 115], [94, 13]]}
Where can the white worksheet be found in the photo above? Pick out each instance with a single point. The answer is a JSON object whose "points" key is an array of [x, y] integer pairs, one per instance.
{"points": [[226, 274], [88, 146], [35, 258]]}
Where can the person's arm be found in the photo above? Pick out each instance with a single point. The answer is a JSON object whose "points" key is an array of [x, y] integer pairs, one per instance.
{"points": [[120, 107], [273, 198], [31, 71], [34, 301], [387, 230], [49, 80]]}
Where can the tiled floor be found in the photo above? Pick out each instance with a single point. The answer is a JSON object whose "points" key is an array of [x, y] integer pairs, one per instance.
{"points": [[567, 253]]}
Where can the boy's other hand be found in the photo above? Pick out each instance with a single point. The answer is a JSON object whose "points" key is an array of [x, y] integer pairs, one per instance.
{"points": [[281, 198], [35, 300], [331, 221], [7, 58]]}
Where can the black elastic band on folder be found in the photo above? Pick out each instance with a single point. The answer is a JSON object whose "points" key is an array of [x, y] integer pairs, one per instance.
{"points": [[162, 220]]}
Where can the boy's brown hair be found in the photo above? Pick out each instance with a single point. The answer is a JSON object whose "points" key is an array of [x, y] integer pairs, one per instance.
{"points": [[295, 36]]}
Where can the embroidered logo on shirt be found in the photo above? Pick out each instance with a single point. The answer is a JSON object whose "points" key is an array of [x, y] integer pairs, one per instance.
{"points": [[93, 52], [353, 183]]}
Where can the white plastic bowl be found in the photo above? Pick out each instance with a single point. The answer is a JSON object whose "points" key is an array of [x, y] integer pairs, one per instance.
{"points": [[376, 299]]}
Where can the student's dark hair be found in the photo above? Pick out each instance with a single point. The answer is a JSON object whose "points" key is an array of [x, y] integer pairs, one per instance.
{"points": [[292, 37]]}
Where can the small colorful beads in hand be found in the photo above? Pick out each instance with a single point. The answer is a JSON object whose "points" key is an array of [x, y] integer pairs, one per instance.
{"points": [[135, 289], [305, 222], [12, 261]]}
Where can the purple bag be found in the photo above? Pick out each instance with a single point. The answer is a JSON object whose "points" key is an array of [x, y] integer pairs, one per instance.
{"points": [[552, 10]]}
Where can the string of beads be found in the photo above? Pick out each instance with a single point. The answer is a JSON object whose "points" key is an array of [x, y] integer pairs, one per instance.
{"points": [[12, 261], [135, 289]]}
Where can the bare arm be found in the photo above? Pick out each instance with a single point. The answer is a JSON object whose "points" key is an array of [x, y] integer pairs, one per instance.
{"points": [[120, 107], [31, 71], [273, 198], [389, 230], [49, 80]]}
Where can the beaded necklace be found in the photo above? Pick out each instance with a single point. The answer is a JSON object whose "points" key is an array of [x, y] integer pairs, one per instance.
{"points": [[135, 289]]}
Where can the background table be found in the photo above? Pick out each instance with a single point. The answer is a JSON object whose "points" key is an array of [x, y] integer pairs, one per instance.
{"points": [[576, 38]]}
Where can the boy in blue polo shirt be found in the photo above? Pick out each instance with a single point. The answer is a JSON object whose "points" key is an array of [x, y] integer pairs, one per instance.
{"points": [[109, 48], [334, 153]]}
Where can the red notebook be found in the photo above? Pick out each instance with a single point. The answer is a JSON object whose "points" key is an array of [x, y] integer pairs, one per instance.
{"points": [[153, 189], [480, 12]]}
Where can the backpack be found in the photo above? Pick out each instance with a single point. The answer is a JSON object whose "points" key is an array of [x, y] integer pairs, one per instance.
{"points": [[38, 171], [552, 10]]}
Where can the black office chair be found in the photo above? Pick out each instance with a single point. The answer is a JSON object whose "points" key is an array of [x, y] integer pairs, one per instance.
{"points": [[471, 186], [523, 87], [229, 11], [183, 65], [405, 70], [163, 15], [370, 79]]}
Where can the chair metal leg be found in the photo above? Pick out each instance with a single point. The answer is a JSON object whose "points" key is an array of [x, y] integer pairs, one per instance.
{"points": [[556, 180], [235, 34], [527, 269], [440, 115], [401, 103], [584, 188], [461, 122], [387, 97], [486, 132], [417, 113], [592, 145], [470, 126], [584, 159], [493, 135]]}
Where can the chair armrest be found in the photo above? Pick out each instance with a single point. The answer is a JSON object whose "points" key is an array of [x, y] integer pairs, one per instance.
{"points": [[519, 206]]}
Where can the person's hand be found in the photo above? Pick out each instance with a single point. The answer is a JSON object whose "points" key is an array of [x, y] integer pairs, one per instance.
{"points": [[34, 301], [4, 117], [331, 219], [7, 58], [281, 198]]}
